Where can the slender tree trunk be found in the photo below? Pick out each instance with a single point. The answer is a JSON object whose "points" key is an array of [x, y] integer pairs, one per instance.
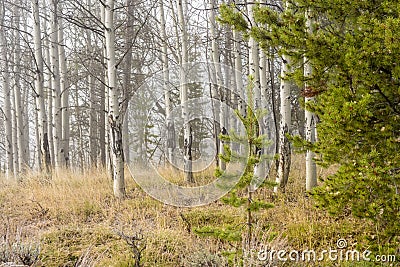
{"points": [[169, 122], [64, 88], [260, 169], [274, 106], [254, 77], [217, 94], [14, 133], [187, 131], [93, 124], [14, 116], [238, 73], [108, 159], [128, 89], [38, 158], [285, 122], [310, 130], [56, 92], [102, 123], [6, 96], [115, 117], [254, 63], [48, 85], [18, 93], [43, 141], [27, 103]]}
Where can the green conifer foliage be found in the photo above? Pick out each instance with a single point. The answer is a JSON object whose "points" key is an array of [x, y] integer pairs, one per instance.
{"points": [[355, 55], [241, 196]]}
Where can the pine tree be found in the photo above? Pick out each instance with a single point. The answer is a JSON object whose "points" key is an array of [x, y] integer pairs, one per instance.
{"points": [[354, 54], [241, 196]]}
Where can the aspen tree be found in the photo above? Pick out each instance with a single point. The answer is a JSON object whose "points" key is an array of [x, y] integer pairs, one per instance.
{"points": [[7, 96], [187, 131], [169, 122], [43, 141], [311, 169], [115, 117]]}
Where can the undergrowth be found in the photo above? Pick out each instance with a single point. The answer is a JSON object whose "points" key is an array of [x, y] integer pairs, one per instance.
{"points": [[73, 220]]}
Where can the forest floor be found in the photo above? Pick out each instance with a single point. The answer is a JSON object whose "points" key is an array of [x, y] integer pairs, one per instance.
{"points": [[73, 219]]}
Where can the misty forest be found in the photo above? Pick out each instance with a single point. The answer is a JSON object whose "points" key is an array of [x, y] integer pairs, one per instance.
{"points": [[199, 133]]}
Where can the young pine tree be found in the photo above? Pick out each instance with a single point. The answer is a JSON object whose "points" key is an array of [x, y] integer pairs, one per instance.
{"points": [[241, 196]]}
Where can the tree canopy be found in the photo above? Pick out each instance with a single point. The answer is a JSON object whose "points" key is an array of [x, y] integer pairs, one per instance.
{"points": [[354, 53]]}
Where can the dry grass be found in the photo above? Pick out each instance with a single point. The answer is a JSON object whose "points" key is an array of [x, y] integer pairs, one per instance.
{"points": [[74, 218]]}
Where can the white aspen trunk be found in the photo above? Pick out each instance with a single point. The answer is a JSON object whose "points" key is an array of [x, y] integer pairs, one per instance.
{"points": [[254, 73], [7, 97], [264, 74], [103, 108], [14, 133], [108, 163], [260, 169], [169, 122], [27, 103], [93, 125], [115, 119], [238, 73], [56, 92], [17, 93], [14, 126], [285, 122], [226, 92], [48, 85], [239, 88], [187, 131], [310, 130], [127, 93], [37, 154], [230, 80], [216, 74], [102, 123], [65, 125], [39, 92], [254, 63]]}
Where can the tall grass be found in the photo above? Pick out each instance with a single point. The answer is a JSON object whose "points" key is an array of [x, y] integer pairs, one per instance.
{"points": [[74, 219]]}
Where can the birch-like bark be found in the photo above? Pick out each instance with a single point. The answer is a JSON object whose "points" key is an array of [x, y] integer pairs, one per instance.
{"points": [[216, 90], [169, 122], [56, 91], [15, 155], [48, 84], [284, 127], [102, 123], [18, 93], [260, 169], [187, 131], [238, 73], [254, 74], [128, 88], [108, 158], [14, 115], [115, 117], [6, 96], [93, 125], [254, 63], [27, 103], [43, 141], [37, 154], [310, 130], [64, 88]]}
